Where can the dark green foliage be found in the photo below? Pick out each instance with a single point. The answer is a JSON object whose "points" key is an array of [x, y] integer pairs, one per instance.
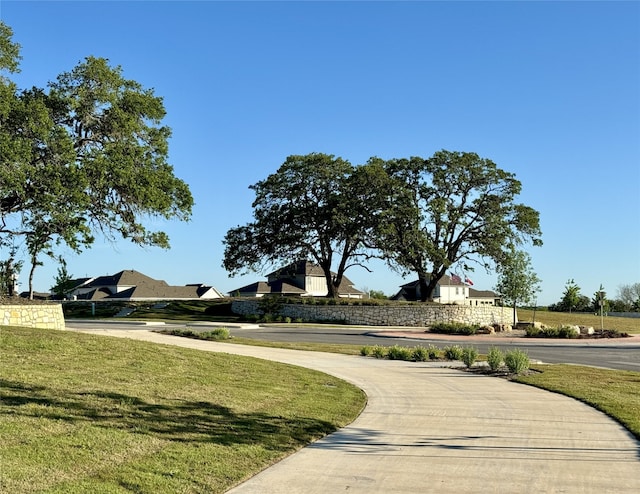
{"points": [[379, 351], [453, 352], [551, 332], [434, 352], [88, 153], [450, 208], [469, 356], [220, 310], [517, 361], [397, 352], [316, 207], [495, 358], [214, 334], [420, 354], [454, 328]]}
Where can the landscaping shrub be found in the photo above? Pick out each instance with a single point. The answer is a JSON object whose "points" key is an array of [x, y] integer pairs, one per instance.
{"points": [[399, 353], [434, 352], [551, 332], [469, 356], [517, 361], [367, 350], [420, 354], [567, 332], [495, 358], [379, 351], [454, 328], [216, 334], [453, 352]]}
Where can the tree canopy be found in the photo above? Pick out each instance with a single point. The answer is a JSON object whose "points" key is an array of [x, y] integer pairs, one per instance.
{"points": [[86, 154], [315, 207], [453, 207]]}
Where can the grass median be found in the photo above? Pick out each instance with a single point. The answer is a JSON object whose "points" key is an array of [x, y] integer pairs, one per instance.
{"points": [[84, 413]]}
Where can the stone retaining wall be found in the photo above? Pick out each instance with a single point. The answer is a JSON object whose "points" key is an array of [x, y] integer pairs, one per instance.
{"points": [[45, 316], [385, 315]]}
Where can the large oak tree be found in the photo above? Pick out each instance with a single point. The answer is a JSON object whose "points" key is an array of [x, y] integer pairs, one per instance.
{"points": [[316, 207], [452, 207], [86, 154]]}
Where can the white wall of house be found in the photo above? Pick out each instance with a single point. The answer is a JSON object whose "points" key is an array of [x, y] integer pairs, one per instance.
{"points": [[211, 293], [316, 286], [451, 294]]}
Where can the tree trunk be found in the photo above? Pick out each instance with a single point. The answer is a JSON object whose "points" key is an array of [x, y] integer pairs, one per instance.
{"points": [[514, 314], [332, 290], [31, 271]]}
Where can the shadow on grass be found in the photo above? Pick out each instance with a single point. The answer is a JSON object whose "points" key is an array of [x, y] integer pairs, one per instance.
{"points": [[168, 419]]}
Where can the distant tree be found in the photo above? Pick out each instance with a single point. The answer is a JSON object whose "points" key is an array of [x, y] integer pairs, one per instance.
{"points": [[517, 282], [598, 297], [630, 295], [88, 154], [449, 208], [571, 296], [377, 295], [9, 271], [315, 207], [63, 281]]}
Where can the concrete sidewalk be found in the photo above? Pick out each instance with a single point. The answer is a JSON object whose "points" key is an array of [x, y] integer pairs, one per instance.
{"points": [[428, 428]]}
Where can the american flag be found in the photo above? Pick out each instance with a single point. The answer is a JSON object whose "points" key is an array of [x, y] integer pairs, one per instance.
{"points": [[455, 278], [468, 281]]}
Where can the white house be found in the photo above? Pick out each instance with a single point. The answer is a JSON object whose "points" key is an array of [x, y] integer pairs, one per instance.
{"points": [[448, 291], [301, 279]]}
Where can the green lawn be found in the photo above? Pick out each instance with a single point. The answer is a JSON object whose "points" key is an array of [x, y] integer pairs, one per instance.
{"points": [[616, 393], [623, 324], [84, 413]]}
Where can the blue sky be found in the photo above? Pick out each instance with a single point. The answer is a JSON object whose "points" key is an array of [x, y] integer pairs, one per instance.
{"points": [[548, 90]]}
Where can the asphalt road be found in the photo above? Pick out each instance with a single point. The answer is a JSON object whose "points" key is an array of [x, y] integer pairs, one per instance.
{"points": [[609, 354]]}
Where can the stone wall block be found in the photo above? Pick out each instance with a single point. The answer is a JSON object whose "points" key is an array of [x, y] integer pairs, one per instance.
{"points": [[386, 315], [32, 316]]}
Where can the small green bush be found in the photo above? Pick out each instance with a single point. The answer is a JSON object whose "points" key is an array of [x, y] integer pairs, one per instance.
{"points": [[454, 328], [532, 332], [420, 354], [367, 350], [566, 332], [469, 356], [551, 332], [379, 351], [216, 334], [287, 320], [397, 352], [495, 358], [434, 352], [453, 352], [517, 361]]}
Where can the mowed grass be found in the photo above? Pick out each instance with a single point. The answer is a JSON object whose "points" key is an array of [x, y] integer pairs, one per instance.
{"points": [[614, 392], [623, 324], [84, 413]]}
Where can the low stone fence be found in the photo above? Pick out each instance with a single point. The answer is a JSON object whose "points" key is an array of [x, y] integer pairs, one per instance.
{"points": [[45, 316], [385, 315]]}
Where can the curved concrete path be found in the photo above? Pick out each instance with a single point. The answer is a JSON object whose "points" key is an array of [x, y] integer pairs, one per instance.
{"points": [[428, 428]]}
